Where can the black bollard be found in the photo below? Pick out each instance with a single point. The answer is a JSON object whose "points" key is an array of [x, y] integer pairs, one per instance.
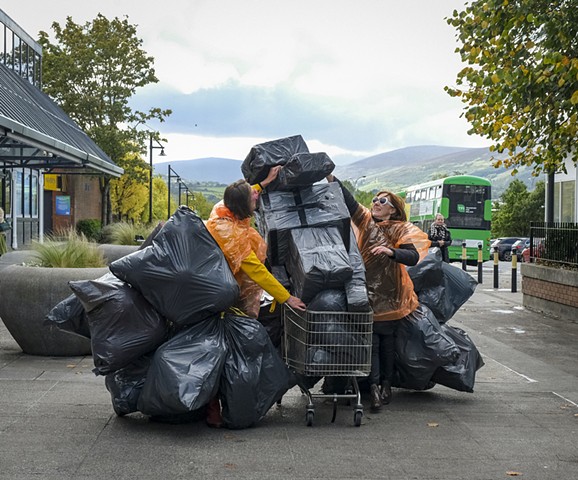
{"points": [[464, 257], [514, 270], [480, 262], [496, 266]]}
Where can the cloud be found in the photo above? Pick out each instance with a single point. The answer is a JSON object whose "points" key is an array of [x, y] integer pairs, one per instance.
{"points": [[356, 78]]}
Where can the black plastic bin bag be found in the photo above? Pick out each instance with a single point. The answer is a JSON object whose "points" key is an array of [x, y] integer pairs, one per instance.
{"points": [[123, 325], [302, 170], [421, 347], [428, 273], [69, 315], [265, 155], [356, 287], [461, 374], [254, 375], [125, 385], [183, 274], [318, 260], [321, 205], [444, 298], [185, 371]]}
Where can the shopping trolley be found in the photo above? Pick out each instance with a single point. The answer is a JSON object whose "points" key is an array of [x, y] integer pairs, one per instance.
{"points": [[326, 344]]}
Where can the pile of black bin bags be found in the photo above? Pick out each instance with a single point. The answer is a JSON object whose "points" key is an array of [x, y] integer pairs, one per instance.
{"points": [[428, 351], [313, 252], [158, 335], [157, 329]]}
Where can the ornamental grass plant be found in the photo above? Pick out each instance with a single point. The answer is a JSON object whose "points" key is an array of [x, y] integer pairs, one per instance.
{"points": [[67, 249], [124, 233]]}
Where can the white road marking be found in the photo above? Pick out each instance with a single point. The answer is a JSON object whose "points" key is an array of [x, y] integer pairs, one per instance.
{"points": [[530, 380], [565, 399]]}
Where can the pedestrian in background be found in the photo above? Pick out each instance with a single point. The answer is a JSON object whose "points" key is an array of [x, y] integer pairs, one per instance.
{"points": [[4, 227], [440, 236], [387, 242]]}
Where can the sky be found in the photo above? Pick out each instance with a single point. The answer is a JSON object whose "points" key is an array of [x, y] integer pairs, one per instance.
{"points": [[354, 78]]}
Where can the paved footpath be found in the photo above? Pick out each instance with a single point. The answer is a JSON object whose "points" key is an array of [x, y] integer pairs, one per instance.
{"points": [[56, 419]]}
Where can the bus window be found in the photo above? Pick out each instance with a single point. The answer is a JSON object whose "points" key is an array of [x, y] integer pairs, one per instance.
{"points": [[466, 206]]}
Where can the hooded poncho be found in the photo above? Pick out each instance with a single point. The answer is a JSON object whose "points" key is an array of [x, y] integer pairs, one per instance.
{"points": [[238, 239], [389, 286]]}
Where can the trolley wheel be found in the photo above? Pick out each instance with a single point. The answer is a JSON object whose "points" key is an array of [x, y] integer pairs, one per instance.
{"points": [[309, 418], [357, 417]]}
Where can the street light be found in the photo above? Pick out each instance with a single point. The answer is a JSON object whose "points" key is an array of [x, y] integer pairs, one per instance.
{"points": [[182, 186], [161, 154]]}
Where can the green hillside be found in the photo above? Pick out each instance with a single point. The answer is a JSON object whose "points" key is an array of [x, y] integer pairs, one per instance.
{"points": [[393, 170], [398, 169]]}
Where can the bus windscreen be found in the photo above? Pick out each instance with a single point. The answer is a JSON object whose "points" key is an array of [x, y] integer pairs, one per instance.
{"points": [[466, 206]]}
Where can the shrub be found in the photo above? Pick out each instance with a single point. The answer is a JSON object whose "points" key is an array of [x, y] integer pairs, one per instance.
{"points": [[91, 228], [68, 250], [123, 233]]}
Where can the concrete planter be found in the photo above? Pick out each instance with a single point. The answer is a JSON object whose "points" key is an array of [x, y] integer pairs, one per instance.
{"points": [[27, 294]]}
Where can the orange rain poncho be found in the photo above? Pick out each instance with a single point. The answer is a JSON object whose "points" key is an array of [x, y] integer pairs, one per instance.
{"points": [[389, 286], [238, 239]]}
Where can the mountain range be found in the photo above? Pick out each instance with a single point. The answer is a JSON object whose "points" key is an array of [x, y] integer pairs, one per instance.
{"points": [[394, 170]]}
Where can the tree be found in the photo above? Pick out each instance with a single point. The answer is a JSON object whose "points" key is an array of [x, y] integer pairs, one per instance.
{"points": [[517, 208], [520, 87], [129, 193], [160, 199], [92, 71], [201, 205]]}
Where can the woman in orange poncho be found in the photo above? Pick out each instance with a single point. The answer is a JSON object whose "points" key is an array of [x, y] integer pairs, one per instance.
{"points": [[387, 242], [245, 250]]}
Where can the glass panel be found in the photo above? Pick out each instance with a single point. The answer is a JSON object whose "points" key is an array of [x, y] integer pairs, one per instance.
{"points": [[34, 193], [17, 55], [557, 201], [8, 49], [466, 209], [27, 193], [568, 201], [18, 194]]}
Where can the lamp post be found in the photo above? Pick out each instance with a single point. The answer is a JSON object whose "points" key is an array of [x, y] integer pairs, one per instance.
{"points": [[182, 187], [161, 154]]}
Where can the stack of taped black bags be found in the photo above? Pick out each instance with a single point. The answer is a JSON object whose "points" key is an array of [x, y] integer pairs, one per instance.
{"points": [[428, 351], [311, 247], [161, 338], [313, 252]]}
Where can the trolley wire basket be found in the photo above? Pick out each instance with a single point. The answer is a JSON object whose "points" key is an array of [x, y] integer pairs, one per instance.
{"points": [[320, 344]]}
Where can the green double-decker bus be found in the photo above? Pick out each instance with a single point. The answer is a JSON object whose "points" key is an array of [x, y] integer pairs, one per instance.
{"points": [[466, 203]]}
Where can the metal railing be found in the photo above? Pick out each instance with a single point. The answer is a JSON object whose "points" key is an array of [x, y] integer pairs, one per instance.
{"points": [[552, 242]]}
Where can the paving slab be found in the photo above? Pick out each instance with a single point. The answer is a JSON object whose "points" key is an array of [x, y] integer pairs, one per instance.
{"points": [[57, 422]]}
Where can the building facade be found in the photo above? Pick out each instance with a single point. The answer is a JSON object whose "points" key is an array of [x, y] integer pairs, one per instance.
{"points": [[50, 170]]}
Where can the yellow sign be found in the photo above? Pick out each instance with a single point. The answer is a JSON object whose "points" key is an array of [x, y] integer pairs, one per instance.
{"points": [[52, 182]]}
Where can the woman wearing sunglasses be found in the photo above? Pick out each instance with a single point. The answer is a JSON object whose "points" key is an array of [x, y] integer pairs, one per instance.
{"points": [[387, 242]]}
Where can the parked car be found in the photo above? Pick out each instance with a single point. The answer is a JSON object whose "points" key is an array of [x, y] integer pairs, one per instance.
{"points": [[519, 246], [538, 249], [504, 245]]}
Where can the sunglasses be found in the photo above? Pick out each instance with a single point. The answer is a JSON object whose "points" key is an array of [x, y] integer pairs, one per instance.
{"points": [[383, 201]]}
